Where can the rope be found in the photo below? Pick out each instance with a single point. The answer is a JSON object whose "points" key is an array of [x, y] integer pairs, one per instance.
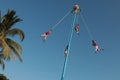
{"points": [[60, 20], [86, 26]]}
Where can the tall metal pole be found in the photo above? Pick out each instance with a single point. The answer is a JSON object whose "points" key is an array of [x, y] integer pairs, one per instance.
{"points": [[69, 44]]}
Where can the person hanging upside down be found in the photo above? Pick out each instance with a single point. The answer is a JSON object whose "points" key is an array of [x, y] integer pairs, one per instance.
{"points": [[66, 51], [77, 28], [45, 35], [97, 48]]}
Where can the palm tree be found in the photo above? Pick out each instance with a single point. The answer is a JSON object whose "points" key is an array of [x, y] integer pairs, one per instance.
{"points": [[2, 77], [9, 47]]}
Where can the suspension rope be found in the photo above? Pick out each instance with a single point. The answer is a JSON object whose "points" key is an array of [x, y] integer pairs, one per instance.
{"points": [[60, 20], [86, 26]]}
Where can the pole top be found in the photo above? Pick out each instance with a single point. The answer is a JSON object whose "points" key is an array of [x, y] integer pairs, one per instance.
{"points": [[76, 8]]}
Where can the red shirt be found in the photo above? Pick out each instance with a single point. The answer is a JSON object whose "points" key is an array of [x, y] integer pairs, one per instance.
{"points": [[47, 33], [94, 44], [76, 26]]}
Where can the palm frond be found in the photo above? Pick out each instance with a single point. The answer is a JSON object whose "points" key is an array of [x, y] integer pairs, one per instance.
{"points": [[5, 49], [15, 47], [16, 53], [12, 55], [2, 27], [14, 44], [16, 31], [10, 19], [2, 56]]}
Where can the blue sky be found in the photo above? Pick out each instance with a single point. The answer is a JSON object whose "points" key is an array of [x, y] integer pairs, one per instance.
{"points": [[44, 61]]}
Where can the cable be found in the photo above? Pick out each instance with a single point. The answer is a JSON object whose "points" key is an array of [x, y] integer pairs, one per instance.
{"points": [[60, 20], [86, 26]]}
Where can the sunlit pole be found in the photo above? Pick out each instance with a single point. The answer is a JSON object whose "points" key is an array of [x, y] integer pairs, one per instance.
{"points": [[69, 44]]}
